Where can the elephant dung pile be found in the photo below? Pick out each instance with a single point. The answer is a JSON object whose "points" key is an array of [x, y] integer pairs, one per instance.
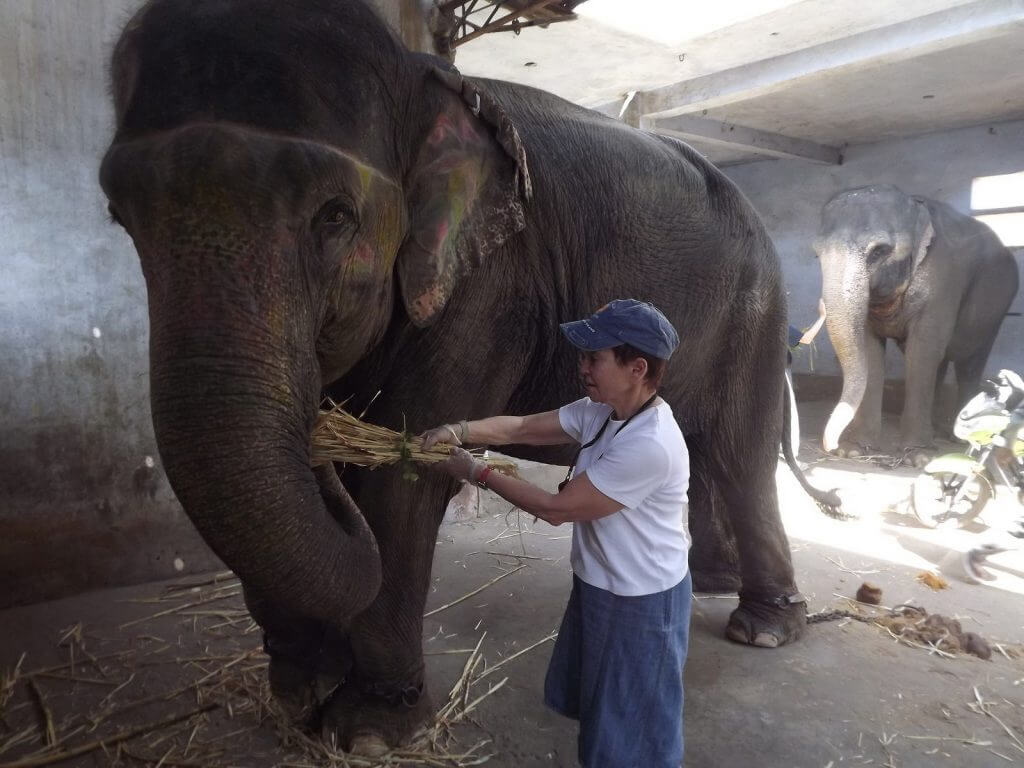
{"points": [[340, 437], [914, 625]]}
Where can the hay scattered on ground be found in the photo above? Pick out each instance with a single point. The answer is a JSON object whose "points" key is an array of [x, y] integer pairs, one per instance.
{"points": [[218, 711]]}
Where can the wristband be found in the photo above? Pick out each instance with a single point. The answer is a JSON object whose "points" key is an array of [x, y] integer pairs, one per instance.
{"points": [[464, 429], [481, 481]]}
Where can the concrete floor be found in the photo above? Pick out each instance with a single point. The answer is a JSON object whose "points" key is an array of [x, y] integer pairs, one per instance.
{"points": [[845, 695]]}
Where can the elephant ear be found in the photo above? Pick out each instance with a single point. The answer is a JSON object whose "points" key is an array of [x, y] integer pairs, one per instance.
{"points": [[464, 193], [924, 231]]}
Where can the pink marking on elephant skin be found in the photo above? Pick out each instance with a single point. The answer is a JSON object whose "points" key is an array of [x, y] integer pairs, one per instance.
{"points": [[429, 302], [441, 235], [364, 253], [458, 127]]}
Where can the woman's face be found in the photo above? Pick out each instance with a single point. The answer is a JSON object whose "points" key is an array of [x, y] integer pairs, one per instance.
{"points": [[606, 379]]}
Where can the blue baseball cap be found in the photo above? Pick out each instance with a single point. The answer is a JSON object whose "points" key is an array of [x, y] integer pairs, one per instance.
{"points": [[624, 321]]}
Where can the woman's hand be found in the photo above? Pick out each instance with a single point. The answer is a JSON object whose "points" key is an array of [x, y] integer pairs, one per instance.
{"points": [[463, 466], [446, 433]]}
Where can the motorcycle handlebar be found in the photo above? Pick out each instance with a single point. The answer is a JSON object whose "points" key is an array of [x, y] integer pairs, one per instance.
{"points": [[1010, 381]]}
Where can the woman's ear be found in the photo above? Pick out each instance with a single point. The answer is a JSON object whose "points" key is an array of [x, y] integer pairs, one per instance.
{"points": [[464, 194], [640, 368]]}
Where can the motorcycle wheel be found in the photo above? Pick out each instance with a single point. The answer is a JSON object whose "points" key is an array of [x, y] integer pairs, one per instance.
{"points": [[932, 498]]}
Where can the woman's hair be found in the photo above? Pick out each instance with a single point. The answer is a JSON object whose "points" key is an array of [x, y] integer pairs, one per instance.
{"points": [[627, 353]]}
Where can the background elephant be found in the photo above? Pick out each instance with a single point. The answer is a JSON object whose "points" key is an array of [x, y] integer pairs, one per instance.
{"points": [[315, 207], [902, 267]]}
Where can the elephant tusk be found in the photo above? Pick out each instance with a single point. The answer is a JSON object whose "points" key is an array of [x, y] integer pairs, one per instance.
{"points": [[841, 416]]}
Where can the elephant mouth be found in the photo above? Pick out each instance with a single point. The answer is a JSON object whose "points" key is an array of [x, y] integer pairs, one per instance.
{"points": [[886, 308]]}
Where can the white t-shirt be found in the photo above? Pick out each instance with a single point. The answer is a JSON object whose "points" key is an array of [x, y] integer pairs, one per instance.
{"points": [[642, 548]]}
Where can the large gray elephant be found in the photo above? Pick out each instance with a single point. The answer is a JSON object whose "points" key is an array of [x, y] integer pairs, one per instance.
{"points": [[896, 266], [316, 207]]}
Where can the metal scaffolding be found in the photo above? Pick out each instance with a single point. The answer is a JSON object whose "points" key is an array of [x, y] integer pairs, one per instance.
{"points": [[463, 20]]}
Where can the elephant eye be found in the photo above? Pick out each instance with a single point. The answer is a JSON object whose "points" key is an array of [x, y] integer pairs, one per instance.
{"points": [[879, 252], [335, 213]]}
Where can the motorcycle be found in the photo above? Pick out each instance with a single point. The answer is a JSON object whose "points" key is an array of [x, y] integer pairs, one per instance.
{"points": [[957, 486]]}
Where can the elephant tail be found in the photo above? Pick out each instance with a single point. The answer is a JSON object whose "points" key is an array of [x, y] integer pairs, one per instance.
{"points": [[828, 501]]}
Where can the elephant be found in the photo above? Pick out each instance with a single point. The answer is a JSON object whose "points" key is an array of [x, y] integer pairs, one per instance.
{"points": [[319, 210], [904, 267]]}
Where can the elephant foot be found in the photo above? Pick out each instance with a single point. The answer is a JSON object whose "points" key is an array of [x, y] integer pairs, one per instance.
{"points": [[847, 450], [372, 726], [303, 678], [917, 456], [292, 685], [766, 624]]}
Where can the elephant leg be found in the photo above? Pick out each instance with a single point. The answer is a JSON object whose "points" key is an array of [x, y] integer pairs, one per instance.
{"points": [[942, 409], [764, 617], [714, 561], [386, 699], [924, 351], [308, 659], [293, 643], [742, 456], [866, 428], [968, 373]]}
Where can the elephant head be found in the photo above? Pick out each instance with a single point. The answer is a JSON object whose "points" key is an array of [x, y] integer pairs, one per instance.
{"points": [[294, 184], [871, 241]]}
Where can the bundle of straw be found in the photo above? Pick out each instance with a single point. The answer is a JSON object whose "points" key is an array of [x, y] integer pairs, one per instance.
{"points": [[340, 436]]}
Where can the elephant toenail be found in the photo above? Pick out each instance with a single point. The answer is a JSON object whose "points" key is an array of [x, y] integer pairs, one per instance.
{"points": [[368, 745], [737, 634], [766, 640]]}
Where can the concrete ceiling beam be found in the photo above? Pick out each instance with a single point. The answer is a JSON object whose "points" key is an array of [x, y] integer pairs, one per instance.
{"points": [[716, 133], [969, 23]]}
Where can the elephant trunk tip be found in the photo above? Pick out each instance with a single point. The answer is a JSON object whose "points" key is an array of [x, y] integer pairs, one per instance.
{"points": [[841, 416]]}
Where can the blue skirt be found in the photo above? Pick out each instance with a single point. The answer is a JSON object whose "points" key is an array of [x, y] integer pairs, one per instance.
{"points": [[617, 667]]}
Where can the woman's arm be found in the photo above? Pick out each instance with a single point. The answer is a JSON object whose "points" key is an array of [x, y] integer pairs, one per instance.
{"points": [[578, 501], [535, 429]]}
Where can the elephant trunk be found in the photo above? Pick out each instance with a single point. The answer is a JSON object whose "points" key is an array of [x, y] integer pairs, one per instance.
{"points": [[846, 294], [234, 401]]}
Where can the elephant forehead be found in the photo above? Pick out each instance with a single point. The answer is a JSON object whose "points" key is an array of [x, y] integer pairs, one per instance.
{"points": [[218, 164], [304, 153]]}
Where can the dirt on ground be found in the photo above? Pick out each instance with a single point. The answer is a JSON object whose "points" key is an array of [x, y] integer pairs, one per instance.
{"points": [[173, 674]]}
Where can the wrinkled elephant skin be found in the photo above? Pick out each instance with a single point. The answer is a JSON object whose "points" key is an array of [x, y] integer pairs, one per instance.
{"points": [[316, 209], [907, 268]]}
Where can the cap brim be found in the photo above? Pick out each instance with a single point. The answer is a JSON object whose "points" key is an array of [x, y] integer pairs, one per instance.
{"points": [[588, 338]]}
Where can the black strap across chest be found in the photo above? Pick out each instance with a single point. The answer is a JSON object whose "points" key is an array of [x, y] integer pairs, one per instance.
{"points": [[576, 457]]}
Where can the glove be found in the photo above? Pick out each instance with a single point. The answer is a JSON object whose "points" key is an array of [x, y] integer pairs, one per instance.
{"points": [[462, 466], [446, 433]]}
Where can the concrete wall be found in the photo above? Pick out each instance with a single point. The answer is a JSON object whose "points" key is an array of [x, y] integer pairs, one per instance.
{"points": [[84, 502], [789, 194], [83, 499]]}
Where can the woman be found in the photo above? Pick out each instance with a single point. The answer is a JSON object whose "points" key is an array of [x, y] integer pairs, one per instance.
{"points": [[618, 662]]}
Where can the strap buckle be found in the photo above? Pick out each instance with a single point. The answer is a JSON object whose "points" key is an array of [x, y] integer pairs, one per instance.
{"points": [[784, 601], [409, 696], [779, 601]]}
